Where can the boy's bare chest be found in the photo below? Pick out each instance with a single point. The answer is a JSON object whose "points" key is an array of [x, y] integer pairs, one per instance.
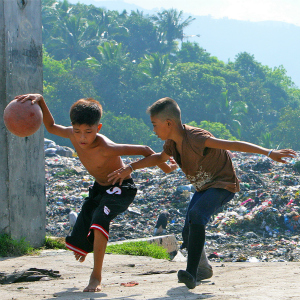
{"points": [[92, 161], [99, 166]]}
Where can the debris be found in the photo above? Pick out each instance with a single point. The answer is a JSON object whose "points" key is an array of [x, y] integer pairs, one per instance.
{"points": [[131, 283], [32, 274], [159, 272], [263, 217]]}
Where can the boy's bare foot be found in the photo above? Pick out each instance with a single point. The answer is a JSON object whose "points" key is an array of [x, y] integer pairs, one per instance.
{"points": [[79, 257], [94, 285]]}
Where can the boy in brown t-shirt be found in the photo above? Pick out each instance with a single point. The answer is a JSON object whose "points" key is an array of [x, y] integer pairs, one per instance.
{"points": [[207, 164]]}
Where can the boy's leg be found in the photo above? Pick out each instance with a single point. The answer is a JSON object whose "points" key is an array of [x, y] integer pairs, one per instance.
{"points": [[77, 241], [110, 206], [185, 230], [195, 247], [203, 207], [100, 242], [204, 270]]}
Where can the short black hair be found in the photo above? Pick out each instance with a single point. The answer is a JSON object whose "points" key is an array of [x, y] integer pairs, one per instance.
{"points": [[165, 108], [86, 111]]}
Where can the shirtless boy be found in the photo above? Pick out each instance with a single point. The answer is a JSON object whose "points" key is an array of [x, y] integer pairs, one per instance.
{"points": [[206, 163], [100, 156]]}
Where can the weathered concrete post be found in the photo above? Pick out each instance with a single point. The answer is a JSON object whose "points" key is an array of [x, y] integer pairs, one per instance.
{"points": [[22, 171]]}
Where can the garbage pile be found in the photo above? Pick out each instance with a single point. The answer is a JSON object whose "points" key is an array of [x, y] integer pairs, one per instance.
{"points": [[51, 149], [261, 223]]}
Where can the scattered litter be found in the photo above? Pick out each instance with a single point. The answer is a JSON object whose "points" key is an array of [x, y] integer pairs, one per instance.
{"points": [[131, 283], [158, 272], [32, 274], [261, 220]]}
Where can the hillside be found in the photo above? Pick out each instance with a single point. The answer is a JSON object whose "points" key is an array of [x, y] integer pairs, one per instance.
{"points": [[272, 43]]}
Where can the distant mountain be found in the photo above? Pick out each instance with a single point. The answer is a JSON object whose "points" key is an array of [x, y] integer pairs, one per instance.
{"points": [[272, 43]]}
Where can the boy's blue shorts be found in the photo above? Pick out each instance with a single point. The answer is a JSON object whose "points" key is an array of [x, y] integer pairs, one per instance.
{"points": [[202, 206], [205, 203]]}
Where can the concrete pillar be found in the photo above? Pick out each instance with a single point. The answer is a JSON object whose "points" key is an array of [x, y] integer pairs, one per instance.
{"points": [[22, 169]]}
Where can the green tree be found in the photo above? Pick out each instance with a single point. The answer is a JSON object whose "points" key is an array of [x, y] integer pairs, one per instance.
{"points": [[286, 133], [142, 38], [231, 113], [155, 65], [250, 69], [192, 52], [219, 130], [115, 78], [170, 27], [74, 40], [127, 130], [54, 69]]}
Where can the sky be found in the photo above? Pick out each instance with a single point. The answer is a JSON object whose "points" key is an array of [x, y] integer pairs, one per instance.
{"points": [[245, 10]]}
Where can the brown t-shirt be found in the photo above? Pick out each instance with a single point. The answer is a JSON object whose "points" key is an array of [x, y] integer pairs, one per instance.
{"points": [[204, 167]]}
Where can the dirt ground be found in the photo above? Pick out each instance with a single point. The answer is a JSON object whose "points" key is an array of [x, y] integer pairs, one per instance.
{"points": [[230, 281]]}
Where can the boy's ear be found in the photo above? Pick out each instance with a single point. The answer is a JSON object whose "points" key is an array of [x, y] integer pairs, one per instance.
{"points": [[99, 127], [169, 122]]}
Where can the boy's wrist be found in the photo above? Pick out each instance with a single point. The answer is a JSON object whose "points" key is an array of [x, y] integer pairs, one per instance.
{"points": [[131, 168], [269, 153]]}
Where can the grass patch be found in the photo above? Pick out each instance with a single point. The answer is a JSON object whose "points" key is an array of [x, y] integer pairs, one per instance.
{"points": [[10, 247], [139, 249], [57, 243]]}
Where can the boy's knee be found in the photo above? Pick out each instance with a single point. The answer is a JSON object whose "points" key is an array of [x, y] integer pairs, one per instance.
{"points": [[196, 217], [98, 233]]}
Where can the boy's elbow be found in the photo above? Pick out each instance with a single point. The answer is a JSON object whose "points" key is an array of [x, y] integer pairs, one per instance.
{"points": [[148, 151], [50, 128]]}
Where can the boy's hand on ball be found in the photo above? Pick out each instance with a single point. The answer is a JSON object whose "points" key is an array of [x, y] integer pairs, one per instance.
{"points": [[33, 97]]}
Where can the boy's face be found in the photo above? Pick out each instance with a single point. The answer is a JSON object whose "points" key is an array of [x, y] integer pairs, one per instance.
{"points": [[85, 134], [161, 127]]}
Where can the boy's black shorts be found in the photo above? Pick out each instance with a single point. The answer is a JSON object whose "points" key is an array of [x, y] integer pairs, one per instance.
{"points": [[102, 205]]}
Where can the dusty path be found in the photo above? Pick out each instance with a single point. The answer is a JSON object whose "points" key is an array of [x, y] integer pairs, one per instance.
{"points": [[274, 281]]}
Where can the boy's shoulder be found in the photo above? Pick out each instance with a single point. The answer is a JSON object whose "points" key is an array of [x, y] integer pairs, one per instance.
{"points": [[194, 132], [105, 145], [103, 141]]}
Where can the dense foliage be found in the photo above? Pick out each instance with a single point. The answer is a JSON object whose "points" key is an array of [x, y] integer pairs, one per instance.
{"points": [[129, 60]]}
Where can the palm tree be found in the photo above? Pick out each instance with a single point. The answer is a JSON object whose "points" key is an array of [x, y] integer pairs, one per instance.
{"points": [[50, 15], [231, 113], [111, 51], [143, 36], [170, 27], [75, 39], [155, 65]]}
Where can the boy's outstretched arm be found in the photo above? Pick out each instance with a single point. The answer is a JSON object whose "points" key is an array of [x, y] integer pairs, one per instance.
{"points": [[276, 155], [149, 161], [167, 168], [48, 119], [128, 149]]}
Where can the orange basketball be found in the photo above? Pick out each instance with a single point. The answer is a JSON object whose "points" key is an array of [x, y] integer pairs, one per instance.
{"points": [[22, 119]]}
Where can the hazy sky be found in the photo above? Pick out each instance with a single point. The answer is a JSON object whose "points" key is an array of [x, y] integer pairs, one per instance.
{"points": [[247, 10]]}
